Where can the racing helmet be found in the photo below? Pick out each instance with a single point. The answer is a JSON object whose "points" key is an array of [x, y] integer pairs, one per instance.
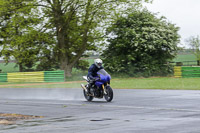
{"points": [[98, 62]]}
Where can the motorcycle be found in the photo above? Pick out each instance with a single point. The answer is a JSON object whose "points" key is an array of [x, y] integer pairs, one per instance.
{"points": [[101, 88]]}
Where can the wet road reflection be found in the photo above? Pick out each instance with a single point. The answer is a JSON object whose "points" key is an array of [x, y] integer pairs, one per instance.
{"points": [[66, 110]]}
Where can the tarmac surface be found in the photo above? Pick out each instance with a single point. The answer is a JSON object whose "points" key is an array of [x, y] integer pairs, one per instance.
{"points": [[131, 111]]}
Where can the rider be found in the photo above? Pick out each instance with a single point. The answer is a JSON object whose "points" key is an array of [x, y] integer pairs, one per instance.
{"points": [[92, 72]]}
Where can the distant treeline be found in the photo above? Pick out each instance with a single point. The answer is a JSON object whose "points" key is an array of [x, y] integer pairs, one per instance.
{"points": [[11, 61], [185, 51]]}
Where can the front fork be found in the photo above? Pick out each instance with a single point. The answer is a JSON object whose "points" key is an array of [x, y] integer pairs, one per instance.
{"points": [[104, 90]]}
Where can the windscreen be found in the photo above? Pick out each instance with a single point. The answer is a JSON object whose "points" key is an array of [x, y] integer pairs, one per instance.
{"points": [[103, 72]]}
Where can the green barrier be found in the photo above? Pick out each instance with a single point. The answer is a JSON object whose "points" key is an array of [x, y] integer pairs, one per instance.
{"points": [[3, 77], [190, 72], [187, 72], [54, 76], [25, 77], [177, 72], [190, 68], [43, 76]]}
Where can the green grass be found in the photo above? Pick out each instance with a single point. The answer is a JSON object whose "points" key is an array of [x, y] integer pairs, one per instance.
{"points": [[185, 57], [90, 60], [127, 83], [10, 67], [158, 83], [117, 83]]}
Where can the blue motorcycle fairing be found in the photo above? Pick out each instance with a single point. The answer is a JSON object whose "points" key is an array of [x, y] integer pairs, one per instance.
{"points": [[104, 77]]}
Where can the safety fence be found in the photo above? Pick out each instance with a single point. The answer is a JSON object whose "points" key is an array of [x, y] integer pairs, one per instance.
{"points": [[186, 72], [43, 76]]}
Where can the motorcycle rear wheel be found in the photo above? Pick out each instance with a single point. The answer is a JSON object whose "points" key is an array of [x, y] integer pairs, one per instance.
{"points": [[87, 97], [109, 95]]}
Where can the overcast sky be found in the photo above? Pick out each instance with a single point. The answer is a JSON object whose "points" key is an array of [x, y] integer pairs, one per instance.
{"points": [[183, 13]]}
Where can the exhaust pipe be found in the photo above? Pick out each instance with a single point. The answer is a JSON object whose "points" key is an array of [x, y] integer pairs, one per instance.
{"points": [[83, 86]]}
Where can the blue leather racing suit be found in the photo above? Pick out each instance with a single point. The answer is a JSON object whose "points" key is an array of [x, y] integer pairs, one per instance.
{"points": [[92, 72], [92, 75]]}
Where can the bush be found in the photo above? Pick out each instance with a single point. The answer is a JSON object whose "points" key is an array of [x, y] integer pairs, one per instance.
{"points": [[82, 65], [141, 44]]}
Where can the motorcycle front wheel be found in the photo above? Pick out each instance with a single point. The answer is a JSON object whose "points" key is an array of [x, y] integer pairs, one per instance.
{"points": [[109, 95], [87, 97]]}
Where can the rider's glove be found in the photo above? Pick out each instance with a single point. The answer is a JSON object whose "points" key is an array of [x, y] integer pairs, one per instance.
{"points": [[97, 78]]}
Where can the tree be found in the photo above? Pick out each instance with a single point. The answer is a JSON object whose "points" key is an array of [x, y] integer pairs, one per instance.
{"points": [[140, 43], [194, 43], [79, 24], [19, 34], [76, 25]]}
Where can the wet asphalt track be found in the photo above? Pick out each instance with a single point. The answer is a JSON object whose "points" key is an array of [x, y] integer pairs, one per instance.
{"points": [[132, 111]]}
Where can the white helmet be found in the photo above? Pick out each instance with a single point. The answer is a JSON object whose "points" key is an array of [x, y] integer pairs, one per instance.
{"points": [[98, 62]]}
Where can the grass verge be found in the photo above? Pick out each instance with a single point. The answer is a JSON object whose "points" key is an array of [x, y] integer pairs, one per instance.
{"points": [[122, 83]]}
